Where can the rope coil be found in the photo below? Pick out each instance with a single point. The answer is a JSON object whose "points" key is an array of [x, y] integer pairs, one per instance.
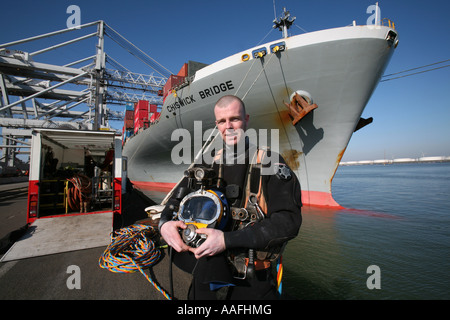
{"points": [[131, 249]]}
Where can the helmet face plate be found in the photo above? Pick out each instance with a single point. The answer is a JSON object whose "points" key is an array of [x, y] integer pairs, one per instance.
{"points": [[203, 207]]}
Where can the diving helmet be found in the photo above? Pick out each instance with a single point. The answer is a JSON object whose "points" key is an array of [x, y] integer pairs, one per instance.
{"points": [[202, 209]]}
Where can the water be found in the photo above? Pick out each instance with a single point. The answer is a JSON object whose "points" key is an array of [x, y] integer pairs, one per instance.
{"points": [[399, 220]]}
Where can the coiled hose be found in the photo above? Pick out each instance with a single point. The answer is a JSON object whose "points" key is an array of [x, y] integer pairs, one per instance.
{"points": [[131, 250], [79, 190]]}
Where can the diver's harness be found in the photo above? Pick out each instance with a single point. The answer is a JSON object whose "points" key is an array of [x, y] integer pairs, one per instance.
{"points": [[208, 207], [253, 209]]}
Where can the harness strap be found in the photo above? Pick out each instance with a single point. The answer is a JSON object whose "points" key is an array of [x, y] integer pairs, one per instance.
{"points": [[254, 181]]}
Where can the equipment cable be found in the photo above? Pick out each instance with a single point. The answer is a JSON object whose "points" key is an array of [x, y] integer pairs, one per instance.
{"points": [[79, 190], [132, 249]]}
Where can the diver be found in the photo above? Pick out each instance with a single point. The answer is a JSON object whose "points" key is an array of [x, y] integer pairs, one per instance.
{"points": [[228, 228]]}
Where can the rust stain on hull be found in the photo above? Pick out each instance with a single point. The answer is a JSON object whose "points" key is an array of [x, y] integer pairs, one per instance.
{"points": [[340, 155], [291, 158], [338, 160]]}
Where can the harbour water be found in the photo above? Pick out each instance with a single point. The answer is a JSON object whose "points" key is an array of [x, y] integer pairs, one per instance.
{"points": [[397, 218]]}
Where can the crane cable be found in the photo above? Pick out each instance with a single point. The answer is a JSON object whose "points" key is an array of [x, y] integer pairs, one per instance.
{"points": [[132, 249]]}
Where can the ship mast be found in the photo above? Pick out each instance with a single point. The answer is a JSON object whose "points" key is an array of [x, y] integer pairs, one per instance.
{"points": [[284, 22]]}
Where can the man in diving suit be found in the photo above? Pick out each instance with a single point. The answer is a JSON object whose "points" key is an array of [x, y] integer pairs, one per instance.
{"points": [[208, 263]]}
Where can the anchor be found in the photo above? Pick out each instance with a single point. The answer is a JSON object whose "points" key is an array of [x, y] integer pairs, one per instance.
{"points": [[299, 107]]}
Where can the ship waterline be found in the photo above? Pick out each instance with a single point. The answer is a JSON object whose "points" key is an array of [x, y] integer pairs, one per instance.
{"points": [[338, 69]]}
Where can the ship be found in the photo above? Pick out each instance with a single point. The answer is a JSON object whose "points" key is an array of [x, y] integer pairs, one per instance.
{"points": [[335, 70]]}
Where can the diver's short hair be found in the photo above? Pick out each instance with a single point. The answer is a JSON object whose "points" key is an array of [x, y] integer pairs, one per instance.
{"points": [[226, 100]]}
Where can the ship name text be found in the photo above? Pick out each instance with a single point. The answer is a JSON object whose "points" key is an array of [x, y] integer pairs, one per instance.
{"points": [[207, 92], [211, 91], [181, 102]]}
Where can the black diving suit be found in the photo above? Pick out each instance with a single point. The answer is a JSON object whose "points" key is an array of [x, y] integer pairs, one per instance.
{"points": [[282, 222]]}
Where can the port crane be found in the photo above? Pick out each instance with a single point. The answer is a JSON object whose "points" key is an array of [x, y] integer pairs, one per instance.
{"points": [[81, 94]]}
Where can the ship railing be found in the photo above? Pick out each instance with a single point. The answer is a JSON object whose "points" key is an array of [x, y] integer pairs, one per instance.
{"points": [[388, 23]]}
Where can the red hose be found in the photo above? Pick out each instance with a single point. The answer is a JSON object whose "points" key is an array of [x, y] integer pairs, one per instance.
{"points": [[79, 189]]}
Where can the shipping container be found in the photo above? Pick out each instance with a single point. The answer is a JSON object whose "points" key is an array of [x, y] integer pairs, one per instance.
{"points": [[172, 82], [129, 123], [140, 114], [129, 114], [155, 117], [141, 105], [140, 123], [183, 71], [129, 107]]}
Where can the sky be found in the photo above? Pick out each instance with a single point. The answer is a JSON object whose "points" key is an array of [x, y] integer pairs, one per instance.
{"points": [[411, 114]]}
